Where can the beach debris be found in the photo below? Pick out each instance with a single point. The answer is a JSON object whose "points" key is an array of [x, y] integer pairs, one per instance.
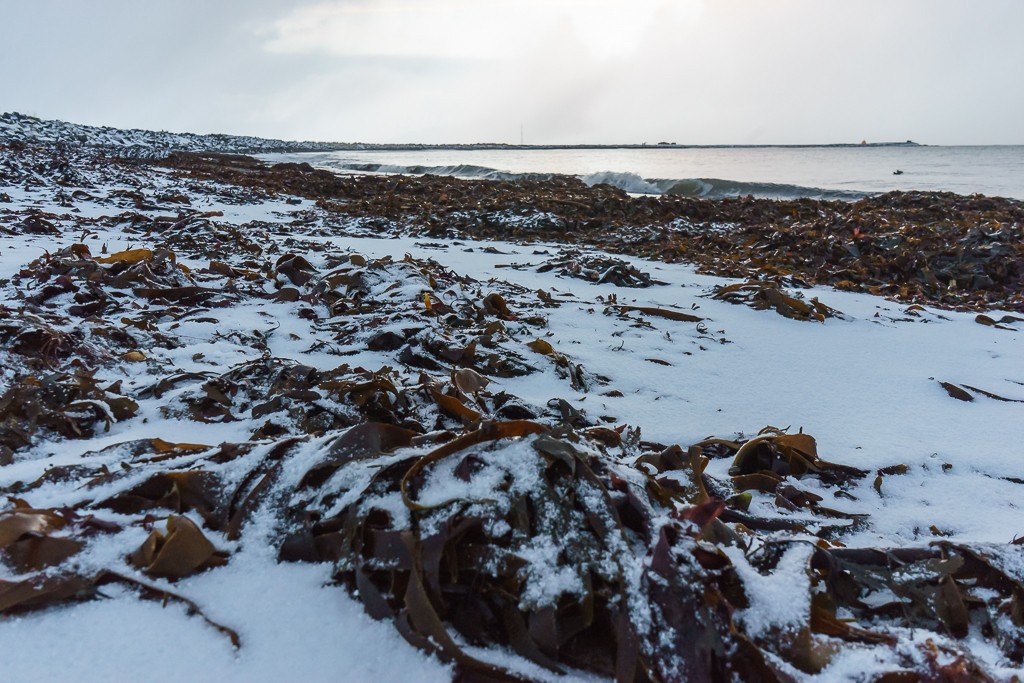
{"points": [[397, 451], [774, 455], [761, 296], [27, 542], [656, 312], [964, 392], [956, 392], [41, 592], [94, 286], [32, 541], [936, 248], [891, 470], [550, 575], [543, 540], [1004, 323], [73, 406], [183, 550], [597, 269]]}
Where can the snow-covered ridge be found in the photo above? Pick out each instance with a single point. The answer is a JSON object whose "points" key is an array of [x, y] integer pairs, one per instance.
{"points": [[142, 143]]}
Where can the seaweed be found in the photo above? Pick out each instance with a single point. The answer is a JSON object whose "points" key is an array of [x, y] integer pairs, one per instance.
{"points": [[763, 295], [550, 542], [466, 516], [598, 270], [917, 247]]}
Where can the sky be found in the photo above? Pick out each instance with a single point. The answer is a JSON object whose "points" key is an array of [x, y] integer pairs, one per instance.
{"points": [[545, 71]]}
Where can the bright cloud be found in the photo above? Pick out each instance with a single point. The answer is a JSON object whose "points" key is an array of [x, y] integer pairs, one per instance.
{"points": [[695, 71], [469, 29]]}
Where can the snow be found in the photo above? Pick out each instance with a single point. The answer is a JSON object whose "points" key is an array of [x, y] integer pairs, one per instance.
{"points": [[779, 600], [292, 627], [147, 143]]}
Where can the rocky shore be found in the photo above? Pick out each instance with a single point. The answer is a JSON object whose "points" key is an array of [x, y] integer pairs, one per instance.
{"points": [[455, 403]]}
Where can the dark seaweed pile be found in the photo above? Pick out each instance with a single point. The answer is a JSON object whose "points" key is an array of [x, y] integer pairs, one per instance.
{"points": [[649, 591], [925, 247]]}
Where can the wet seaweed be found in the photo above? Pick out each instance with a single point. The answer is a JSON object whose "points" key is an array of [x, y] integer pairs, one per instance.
{"points": [[466, 516], [925, 247]]}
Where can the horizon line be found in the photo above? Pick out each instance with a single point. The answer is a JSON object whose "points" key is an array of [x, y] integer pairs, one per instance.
{"points": [[350, 145]]}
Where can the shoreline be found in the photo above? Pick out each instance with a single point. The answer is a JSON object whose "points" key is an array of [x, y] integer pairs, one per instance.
{"points": [[276, 146], [973, 258], [502, 429]]}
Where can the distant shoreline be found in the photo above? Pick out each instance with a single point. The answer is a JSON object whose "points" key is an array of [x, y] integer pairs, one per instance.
{"points": [[406, 147], [14, 124]]}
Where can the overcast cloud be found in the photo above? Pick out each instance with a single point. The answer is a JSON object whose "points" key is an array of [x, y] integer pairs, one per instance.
{"points": [[569, 71]]}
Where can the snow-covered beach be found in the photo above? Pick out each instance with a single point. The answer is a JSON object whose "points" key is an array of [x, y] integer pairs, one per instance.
{"points": [[187, 358]]}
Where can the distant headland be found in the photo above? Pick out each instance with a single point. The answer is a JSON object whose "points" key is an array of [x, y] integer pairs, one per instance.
{"points": [[13, 124]]}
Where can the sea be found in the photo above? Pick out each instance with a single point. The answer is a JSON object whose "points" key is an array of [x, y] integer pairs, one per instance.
{"points": [[827, 172]]}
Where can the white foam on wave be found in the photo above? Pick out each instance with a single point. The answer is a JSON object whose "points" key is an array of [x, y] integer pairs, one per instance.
{"points": [[630, 182]]}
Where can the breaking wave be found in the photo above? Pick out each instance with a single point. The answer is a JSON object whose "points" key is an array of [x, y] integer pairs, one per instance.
{"points": [[717, 188], [458, 170], [703, 188], [630, 182]]}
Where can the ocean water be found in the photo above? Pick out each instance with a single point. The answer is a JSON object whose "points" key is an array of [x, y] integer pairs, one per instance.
{"points": [[774, 172]]}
